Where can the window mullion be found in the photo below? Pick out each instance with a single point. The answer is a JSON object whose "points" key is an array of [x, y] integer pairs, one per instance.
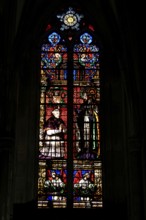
{"points": [[70, 129]]}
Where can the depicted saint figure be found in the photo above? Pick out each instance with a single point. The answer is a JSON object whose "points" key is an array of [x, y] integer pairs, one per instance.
{"points": [[54, 129], [85, 188], [55, 184], [87, 122]]}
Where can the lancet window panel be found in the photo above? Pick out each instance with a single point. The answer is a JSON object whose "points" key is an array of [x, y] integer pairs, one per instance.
{"points": [[69, 133]]}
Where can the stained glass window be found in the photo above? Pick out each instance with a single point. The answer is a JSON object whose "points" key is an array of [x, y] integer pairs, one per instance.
{"points": [[70, 161]]}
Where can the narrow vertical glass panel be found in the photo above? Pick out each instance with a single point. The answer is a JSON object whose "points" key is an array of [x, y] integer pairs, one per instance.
{"points": [[52, 178], [70, 165], [87, 174]]}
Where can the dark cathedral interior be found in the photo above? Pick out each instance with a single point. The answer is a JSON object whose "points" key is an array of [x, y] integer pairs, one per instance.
{"points": [[120, 31]]}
